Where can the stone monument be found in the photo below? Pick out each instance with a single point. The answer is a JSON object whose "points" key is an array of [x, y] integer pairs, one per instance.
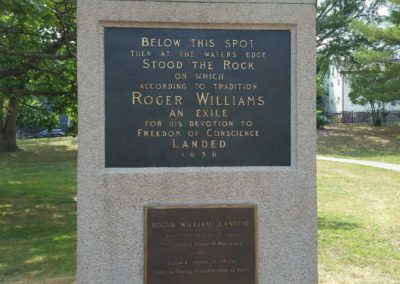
{"points": [[196, 142]]}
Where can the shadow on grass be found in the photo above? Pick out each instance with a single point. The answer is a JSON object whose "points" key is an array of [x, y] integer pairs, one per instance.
{"points": [[326, 224], [37, 238], [38, 211], [359, 140], [41, 151]]}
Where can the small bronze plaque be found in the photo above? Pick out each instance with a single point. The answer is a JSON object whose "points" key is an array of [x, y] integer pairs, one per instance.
{"points": [[200, 245]]}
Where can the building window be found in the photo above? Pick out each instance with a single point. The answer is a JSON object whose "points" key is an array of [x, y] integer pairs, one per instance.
{"points": [[393, 103], [338, 82]]}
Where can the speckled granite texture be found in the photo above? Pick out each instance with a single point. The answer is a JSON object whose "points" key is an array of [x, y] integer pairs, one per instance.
{"points": [[111, 201]]}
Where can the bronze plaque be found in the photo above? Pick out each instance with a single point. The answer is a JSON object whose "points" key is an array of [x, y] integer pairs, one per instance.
{"points": [[177, 97], [200, 245]]}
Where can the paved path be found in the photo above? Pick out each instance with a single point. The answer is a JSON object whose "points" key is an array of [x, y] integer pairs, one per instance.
{"points": [[387, 166]]}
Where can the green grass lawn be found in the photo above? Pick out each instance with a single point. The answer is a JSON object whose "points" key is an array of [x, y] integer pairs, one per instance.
{"points": [[38, 212], [364, 142], [358, 224], [358, 232]]}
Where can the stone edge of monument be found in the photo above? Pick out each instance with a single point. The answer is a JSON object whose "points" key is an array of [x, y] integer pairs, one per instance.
{"points": [[294, 2], [110, 202]]}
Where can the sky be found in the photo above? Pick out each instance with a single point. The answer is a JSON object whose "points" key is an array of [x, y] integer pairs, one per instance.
{"points": [[383, 11]]}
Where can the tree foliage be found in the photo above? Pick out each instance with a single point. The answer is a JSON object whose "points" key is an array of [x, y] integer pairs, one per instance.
{"points": [[378, 80], [37, 61], [336, 38]]}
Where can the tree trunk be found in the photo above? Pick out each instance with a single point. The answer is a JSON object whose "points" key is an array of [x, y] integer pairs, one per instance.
{"points": [[376, 115], [8, 131]]}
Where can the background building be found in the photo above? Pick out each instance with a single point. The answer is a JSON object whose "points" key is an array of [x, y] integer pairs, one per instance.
{"points": [[340, 109], [337, 100]]}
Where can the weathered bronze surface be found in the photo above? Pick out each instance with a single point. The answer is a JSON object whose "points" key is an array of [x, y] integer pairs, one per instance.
{"points": [[197, 97], [200, 245]]}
